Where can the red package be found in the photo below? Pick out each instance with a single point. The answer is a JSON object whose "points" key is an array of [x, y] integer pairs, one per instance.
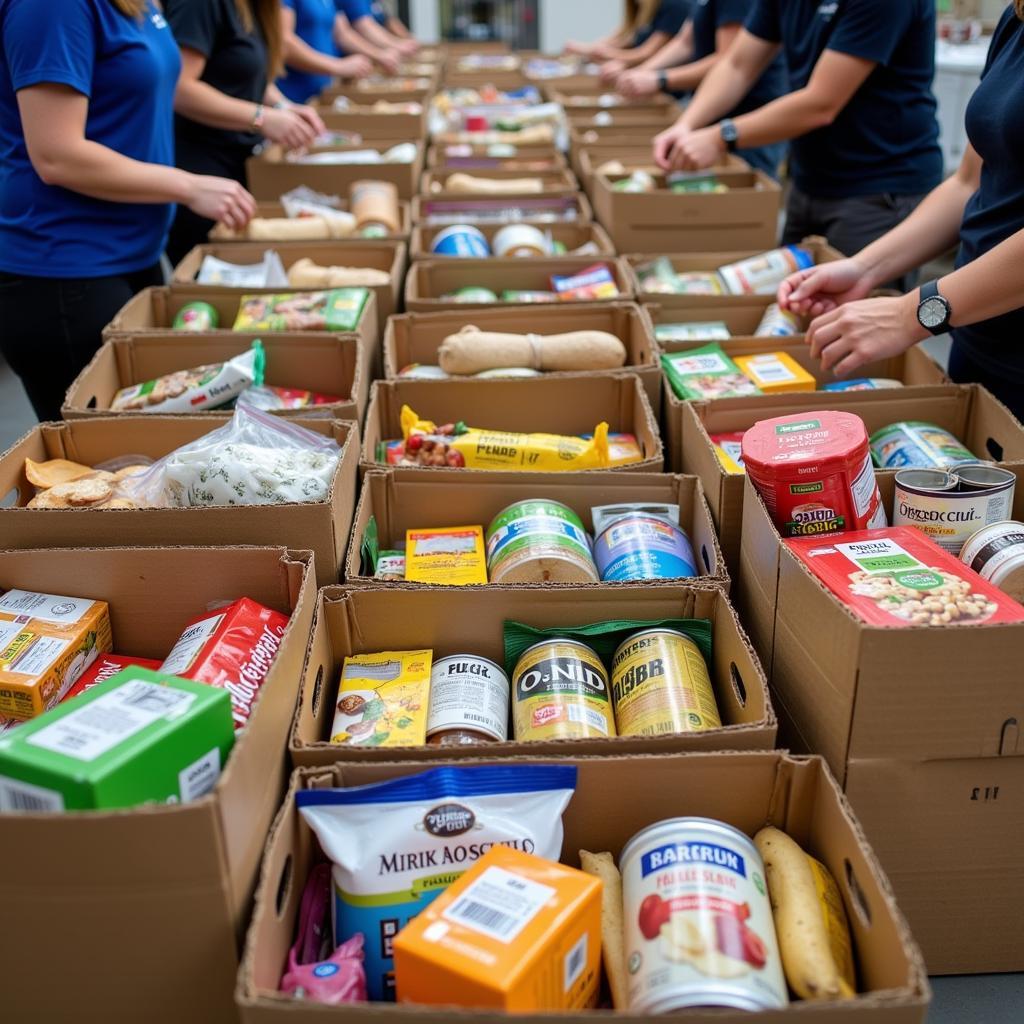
{"points": [[234, 648], [105, 666], [900, 577]]}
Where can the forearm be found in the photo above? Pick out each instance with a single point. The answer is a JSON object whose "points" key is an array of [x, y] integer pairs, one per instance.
{"points": [[674, 52], [689, 77], [987, 287], [370, 30], [398, 28], [785, 118], [200, 102], [298, 54], [351, 41], [722, 88]]}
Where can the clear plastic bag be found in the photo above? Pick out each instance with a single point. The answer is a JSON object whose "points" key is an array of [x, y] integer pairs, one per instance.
{"points": [[254, 459]]}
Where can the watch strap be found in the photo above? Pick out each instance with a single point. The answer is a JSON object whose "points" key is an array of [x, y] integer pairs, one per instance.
{"points": [[929, 289], [663, 81]]}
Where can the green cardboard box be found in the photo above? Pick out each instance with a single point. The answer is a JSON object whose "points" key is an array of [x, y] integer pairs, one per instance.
{"points": [[140, 737]]}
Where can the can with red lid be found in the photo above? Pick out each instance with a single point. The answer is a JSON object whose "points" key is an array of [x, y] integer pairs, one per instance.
{"points": [[814, 472]]}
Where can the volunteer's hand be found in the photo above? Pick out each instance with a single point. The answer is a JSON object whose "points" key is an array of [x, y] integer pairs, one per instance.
{"points": [[288, 128], [665, 143], [390, 61], [602, 51], [637, 83], [355, 66], [407, 47], [865, 331], [821, 289], [220, 199], [611, 70], [699, 150], [310, 116], [581, 49]]}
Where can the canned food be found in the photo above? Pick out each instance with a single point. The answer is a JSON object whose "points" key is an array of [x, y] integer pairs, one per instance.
{"points": [[762, 275], [698, 924], [538, 541], [996, 553], [660, 685], [196, 316], [521, 240], [913, 443], [863, 384], [778, 323], [949, 506], [640, 546], [561, 693], [469, 698], [460, 240]]}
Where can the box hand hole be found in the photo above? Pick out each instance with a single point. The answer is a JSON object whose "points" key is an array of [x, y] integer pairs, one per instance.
{"points": [[737, 684], [284, 886], [1009, 737], [994, 448], [92, 403], [318, 689], [856, 895]]}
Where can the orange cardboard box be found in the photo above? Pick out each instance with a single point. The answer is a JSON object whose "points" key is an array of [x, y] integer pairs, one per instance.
{"points": [[516, 933]]}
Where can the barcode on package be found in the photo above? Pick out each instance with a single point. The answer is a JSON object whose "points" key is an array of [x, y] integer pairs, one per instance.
{"points": [[23, 797], [499, 904], [575, 961]]}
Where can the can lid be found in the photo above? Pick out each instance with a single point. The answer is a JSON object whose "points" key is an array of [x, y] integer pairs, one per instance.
{"points": [[776, 444], [926, 480]]}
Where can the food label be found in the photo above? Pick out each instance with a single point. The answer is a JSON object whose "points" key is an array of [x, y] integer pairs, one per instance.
{"points": [[28, 654], [448, 556], [383, 699], [499, 904], [951, 517], [468, 693], [63, 611], [644, 548], [189, 646], [199, 778], [836, 923]]}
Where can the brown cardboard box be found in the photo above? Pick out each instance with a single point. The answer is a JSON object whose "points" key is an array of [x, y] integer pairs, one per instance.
{"points": [[406, 89], [572, 236], [554, 182], [453, 620], [333, 364], [614, 799], [553, 405], [690, 423], [429, 280], [574, 209], [220, 235], [389, 257], [467, 157], [322, 527], [406, 499], [416, 337], [150, 904], [596, 96], [652, 120], [153, 311], [506, 81], [745, 217], [270, 175], [374, 124], [634, 155]]}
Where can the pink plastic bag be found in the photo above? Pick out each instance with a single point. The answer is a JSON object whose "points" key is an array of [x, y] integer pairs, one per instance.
{"points": [[313, 972]]}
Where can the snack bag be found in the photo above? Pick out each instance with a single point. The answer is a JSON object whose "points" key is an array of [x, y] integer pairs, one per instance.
{"points": [[274, 399], [105, 667], [396, 845], [594, 282], [706, 372], [337, 310]]}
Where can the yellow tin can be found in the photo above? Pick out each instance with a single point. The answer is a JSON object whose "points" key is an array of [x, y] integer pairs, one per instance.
{"points": [[660, 685], [561, 692]]}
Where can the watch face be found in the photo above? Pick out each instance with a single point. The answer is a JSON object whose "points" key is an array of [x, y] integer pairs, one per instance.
{"points": [[932, 312]]}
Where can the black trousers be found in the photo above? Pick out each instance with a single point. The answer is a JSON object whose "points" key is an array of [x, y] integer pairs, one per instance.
{"points": [[51, 327]]}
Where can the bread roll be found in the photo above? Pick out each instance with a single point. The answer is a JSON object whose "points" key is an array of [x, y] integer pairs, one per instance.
{"points": [[472, 350], [307, 274]]}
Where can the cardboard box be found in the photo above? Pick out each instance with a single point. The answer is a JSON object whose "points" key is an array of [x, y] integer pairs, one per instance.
{"points": [[554, 182], [614, 799], [417, 337], [366, 92], [333, 364], [322, 527], [651, 119], [390, 257], [506, 81], [597, 96], [467, 157], [431, 279], [553, 405], [374, 124], [273, 209], [453, 620], [744, 218], [180, 876], [573, 209], [572, 236], [404, 499], [270, 175]]}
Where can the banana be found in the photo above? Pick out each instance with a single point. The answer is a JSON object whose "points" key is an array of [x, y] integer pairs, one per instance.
{"points": [[814, 936]]}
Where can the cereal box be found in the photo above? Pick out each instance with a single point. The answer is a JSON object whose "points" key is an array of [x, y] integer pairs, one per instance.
{"points": [[776, 372], [448, 556], [706, 372]]}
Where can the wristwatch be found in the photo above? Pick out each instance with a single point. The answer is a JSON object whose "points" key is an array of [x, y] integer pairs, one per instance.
{"points": [[934, 311], [730, 134], [663, 81]]}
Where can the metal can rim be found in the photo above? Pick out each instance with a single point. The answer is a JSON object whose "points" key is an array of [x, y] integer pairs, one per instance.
{"points": [[474, 657], [655, 631], [560, 640], [696, 821]]}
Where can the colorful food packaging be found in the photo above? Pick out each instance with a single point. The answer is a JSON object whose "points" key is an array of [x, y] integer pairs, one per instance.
{"points": [[899, 577], [140, 737], [397, 845], [913, 443], [660, 277], [762, 275], [232, 648], [711, 330], [706, 372], [776, 372], [340, 309], [105, 667], [596, 282], [471, 294], [688, 183], [390, 567], [446, 556], [527, 297], [383, 700], [196, 316], [778, 323], [46, 644], [729, 449], [862, 384], [623, 449], [515, 933], [273, 399]]}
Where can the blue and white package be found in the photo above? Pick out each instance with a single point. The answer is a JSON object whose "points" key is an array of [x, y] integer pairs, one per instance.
{"points": [[636, 541], [396, 845], [863, 384], [461, 240]]}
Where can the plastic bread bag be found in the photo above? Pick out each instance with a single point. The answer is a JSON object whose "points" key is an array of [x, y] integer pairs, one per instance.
{"points": [[202, 387], [457, 446], [254, 459], [303, 202], [268, 273], [396, 845]]}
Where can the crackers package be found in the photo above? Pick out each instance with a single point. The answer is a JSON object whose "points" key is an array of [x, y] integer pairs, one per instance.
{"points": [[706, 372], [337, 310]]}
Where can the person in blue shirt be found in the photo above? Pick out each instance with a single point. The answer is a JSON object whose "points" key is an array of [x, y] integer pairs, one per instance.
{"points": [[310, 50], [861, 114], [372, 22], [982, 207], [87, 178], [681, 65]]}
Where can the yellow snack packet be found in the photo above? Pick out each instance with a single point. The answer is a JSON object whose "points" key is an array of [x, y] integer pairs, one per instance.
{"points": [[446, 556]]}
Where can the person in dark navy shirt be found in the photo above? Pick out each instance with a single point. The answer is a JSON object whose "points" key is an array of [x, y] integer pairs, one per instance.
{"points": [[87, 178], [681, 65], [861, 115], [980, 302]]}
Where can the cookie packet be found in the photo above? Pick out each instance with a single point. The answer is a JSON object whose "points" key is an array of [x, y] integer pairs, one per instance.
{"points": [[62, 484]]}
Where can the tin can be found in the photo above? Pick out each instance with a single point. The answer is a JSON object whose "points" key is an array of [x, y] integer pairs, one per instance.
{"points": [[460, 240], [912, 443], [196, 316], [863, 384], [951, 505], [561, 692], [996, 553], [660, 685], [538, 541], [698, 924], [778, 323], [814, 473], [521, 240], [762, 275], [643, 547], [469, 698]]}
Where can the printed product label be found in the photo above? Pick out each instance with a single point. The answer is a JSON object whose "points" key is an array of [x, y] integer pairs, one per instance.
{"points": [[31, 654], [468, 694], [46, 607], [769, 370], [711, 363], [499, 904], [199, 778], [951, 518], [24, 797], [189, 646], [887, 558], [644, 548], [864, 488]]}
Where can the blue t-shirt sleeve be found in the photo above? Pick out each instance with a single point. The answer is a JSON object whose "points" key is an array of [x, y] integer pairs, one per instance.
{"points": [[731, 12], [871, 29], [763, 21], [292, 5], [354, 9], [196, 24], [671, 16], [58, 48]]}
